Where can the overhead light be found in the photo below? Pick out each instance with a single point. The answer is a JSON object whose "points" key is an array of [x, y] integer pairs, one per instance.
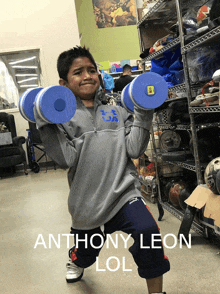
{"points": [[27, 86], [22, 60], [23, 66], [22, 81], [26, 75]]}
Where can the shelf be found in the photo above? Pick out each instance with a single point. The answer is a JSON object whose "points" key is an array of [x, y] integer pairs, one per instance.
{"points": [[173, 127], [171, 45], [186, 127], [206, 39], [190, 165], [204, 109], [180, 87], [207, 125]]}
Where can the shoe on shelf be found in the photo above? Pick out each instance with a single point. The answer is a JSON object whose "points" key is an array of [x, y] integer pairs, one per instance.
{"points": [[207, 98], [213, 89], [74, 272], [196, 102], [216, 76], [210, 103]]}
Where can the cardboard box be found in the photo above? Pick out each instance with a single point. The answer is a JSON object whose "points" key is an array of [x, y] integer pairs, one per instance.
{"points": [[202, 196], [5, 138]]}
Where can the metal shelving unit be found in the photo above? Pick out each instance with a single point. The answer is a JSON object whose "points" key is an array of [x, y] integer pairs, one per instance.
{"points": [[166, 13]]}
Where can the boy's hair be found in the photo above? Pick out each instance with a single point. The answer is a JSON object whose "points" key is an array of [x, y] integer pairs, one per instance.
{"points": [[66, 59], [127, 67]]}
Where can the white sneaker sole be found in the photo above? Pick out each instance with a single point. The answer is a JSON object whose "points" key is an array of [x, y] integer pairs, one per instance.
{"points": [[76, 279]]}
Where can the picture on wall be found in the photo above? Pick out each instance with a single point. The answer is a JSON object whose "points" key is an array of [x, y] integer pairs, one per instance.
{"points": [[114, 13]]}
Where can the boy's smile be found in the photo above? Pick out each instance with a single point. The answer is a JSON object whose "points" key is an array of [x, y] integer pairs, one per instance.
{"points": [[82, 78]]}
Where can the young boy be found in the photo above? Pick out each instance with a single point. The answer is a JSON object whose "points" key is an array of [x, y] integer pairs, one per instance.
{"points": [[97, 145]]}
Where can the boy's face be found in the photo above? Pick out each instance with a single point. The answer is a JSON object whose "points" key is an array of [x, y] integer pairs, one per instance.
{"points": [[82, 78]]}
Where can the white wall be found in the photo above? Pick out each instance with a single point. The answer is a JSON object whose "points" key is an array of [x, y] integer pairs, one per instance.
{"points": [[50, 25]]}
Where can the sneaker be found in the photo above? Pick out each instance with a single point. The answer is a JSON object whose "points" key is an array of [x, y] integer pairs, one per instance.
{"points": [[208, 102], [74, 272], [207, 98]]}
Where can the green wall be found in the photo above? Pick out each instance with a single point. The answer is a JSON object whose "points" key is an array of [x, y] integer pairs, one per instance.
{"points": [[106, 44]]}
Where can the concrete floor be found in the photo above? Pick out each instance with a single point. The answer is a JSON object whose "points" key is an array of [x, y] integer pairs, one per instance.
{"points": [[35, 206]]}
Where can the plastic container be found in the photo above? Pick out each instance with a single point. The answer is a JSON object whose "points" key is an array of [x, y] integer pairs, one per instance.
{"points": [[203, 62]]}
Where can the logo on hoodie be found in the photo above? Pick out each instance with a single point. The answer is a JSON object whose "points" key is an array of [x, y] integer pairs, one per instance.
{"points": [[109, 116]]}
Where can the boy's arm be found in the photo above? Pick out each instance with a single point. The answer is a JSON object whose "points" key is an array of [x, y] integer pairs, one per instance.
{"points": [[56, 143], [138, 132]]}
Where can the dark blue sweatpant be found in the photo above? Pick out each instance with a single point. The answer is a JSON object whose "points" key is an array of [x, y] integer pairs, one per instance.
{"points": [[133, 218]]}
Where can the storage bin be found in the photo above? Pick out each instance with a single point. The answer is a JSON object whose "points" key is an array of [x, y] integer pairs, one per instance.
{"points": [[203, 62]]}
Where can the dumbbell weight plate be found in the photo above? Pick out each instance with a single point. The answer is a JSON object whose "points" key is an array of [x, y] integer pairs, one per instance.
{"points": [[126, 100], [169, 141], [26, 102], [148, 91], [56, 104]]}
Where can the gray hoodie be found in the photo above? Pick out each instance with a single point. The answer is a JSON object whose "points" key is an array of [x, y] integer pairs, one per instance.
{"points": [[98, 149]]}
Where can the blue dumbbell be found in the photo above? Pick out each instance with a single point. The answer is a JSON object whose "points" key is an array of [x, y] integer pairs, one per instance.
{"points": [[55, 104], [147, 91]]}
